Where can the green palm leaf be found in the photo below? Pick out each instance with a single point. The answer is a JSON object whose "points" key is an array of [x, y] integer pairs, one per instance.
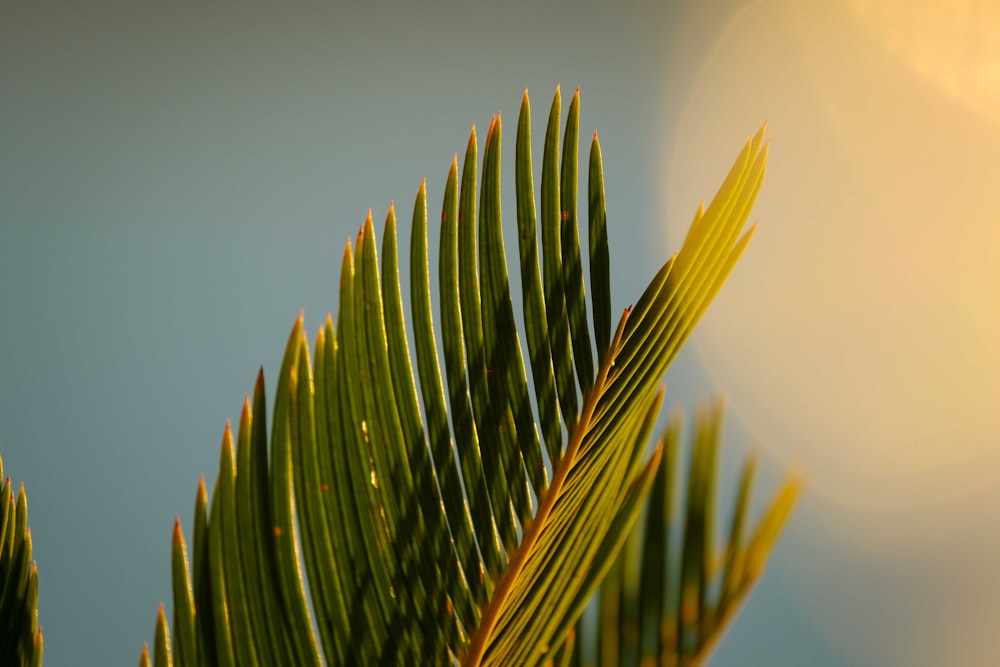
{"points": [[425, 543], [20, 636], [668, 607]]}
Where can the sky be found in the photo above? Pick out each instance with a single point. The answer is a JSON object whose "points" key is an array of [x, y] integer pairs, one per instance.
{"points": [[177, 183]]}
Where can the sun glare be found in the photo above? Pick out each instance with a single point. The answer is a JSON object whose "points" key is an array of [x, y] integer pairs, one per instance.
{"points": [[859, 335]]}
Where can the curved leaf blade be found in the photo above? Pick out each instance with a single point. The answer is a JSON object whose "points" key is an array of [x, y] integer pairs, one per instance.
{"points": [[576, 301], [533, 298]]}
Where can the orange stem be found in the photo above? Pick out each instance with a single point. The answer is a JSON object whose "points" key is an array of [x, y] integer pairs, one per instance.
{"points": [[478, 643]]}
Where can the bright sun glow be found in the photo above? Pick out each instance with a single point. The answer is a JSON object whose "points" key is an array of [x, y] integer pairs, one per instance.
{"points": [[859, 335], [953, 43]]}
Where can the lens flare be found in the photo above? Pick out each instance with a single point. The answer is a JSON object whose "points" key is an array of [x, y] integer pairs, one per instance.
{"points": [[859, 335]]}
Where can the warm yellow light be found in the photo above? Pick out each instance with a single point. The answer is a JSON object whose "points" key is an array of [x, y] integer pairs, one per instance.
{"points": [[952, 43], [860, 335]]}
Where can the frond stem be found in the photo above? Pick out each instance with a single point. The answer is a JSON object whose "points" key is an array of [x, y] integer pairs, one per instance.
{"points": [[491, 614]]}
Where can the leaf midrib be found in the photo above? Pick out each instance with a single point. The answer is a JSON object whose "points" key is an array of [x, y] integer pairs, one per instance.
{"points": [[505, 584]]}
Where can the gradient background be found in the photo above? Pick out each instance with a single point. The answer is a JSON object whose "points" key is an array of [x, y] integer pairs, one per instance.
{"points": [[176, 183]]}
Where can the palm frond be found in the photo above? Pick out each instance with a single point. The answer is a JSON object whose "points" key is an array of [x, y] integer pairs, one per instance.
{"points": [[429, 543], [665, 605], [20, 636]]}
